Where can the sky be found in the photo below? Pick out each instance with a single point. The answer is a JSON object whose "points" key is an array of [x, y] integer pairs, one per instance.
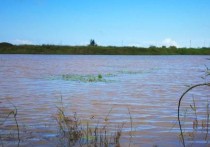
{"points": [[142, 23]]}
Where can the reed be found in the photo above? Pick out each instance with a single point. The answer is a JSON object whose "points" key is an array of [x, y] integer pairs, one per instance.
{"points": [[11, 114], [72, 132], [196, 124]]}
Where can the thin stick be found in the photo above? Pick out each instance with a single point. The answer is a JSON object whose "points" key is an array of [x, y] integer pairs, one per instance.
{"points": [[131, 123], [18, 130], [207, 129], [15, 117]]}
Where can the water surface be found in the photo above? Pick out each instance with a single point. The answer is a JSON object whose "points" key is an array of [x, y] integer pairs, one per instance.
{"points": [[147, 86]]}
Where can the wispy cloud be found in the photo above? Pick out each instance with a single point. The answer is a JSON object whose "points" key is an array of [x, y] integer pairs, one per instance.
{"points": [[20, 41], [169, 42]]}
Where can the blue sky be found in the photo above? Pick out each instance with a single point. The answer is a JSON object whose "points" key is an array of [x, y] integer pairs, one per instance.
{"points": [[109, 22]]}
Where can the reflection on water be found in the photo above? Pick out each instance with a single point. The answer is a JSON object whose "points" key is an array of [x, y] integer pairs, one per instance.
{"points": [[149, 86]]}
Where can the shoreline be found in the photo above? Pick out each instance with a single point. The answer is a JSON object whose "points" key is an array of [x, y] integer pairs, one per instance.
{"points": [[100, 50]]}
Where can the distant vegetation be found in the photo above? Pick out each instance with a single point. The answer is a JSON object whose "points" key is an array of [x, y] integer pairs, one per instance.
{"points": [[5, 44], [94, 49], [92, 43]]}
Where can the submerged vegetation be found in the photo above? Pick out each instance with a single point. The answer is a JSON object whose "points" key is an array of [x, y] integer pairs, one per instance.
{"points": [[14, 130], [93, 49], [199, 130], [83, 78], [72, 132]]}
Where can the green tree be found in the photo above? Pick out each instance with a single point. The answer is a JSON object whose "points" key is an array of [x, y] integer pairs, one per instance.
{"points": [[92, 43]]}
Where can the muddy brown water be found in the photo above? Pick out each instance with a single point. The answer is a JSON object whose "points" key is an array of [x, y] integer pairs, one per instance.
{"points": [[148, 87]]}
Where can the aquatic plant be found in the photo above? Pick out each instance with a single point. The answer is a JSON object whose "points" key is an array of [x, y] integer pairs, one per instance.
{"points": [[12, 113], [83, 78], [204, 123], [130, 72], [100, 76], [136, 72], [72, 132]]}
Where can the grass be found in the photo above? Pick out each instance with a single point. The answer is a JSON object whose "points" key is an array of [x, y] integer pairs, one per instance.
{"points": [[72, 132], [200, 124], [16, 136], [203, 123]]}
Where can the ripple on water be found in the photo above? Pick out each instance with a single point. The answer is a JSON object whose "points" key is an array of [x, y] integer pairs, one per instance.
{"points": [[149, 86]]}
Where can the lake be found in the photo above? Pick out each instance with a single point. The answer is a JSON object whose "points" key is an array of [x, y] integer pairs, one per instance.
{"points": [[143, 90]]}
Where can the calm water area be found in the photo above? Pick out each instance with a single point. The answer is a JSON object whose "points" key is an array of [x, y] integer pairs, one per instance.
{"points": [[96, 87]]}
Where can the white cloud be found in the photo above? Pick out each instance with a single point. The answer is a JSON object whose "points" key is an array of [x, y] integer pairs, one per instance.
{"points": [[169, 42], [20, 41]]}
